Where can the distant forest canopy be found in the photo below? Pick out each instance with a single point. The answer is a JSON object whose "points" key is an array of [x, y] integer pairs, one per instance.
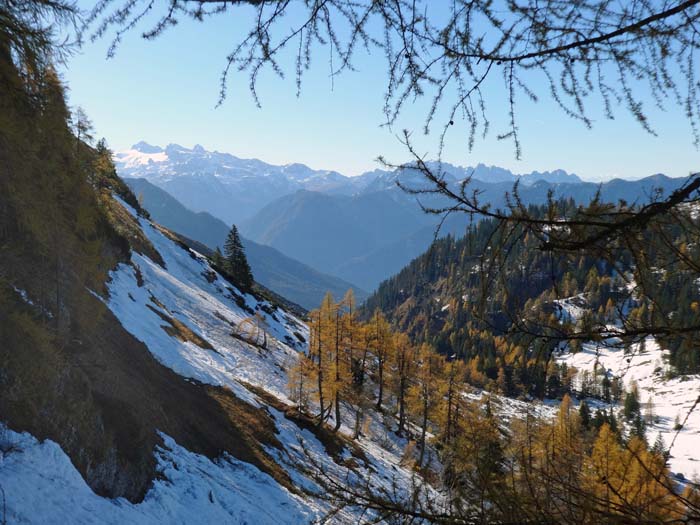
{"points": [[507, 325]]}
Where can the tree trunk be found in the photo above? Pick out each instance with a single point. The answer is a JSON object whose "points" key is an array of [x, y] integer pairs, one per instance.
{"points": [[402, 396], [337, 371], [337, 412], [448, 426], [380, 394], [424, 427], [358, 419], [321, 416]]}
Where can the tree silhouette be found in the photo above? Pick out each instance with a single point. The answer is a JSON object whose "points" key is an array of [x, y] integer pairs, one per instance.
{"points": [[236, 260], [569, 51]]}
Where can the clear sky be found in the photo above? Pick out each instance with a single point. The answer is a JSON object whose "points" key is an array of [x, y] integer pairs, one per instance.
{"points": [[166, 90]]}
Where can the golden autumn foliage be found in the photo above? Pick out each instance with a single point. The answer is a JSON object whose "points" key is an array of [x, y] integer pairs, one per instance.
{"points": [[558, 470]]}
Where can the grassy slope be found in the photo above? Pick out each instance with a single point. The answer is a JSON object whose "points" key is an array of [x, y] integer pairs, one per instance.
{"points": [[69, 371]]}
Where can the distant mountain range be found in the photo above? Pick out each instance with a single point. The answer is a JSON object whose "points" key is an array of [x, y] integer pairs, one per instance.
{"points": [[368, 237], [234, 189], [226, 186], [288, 277], [361, 229]]}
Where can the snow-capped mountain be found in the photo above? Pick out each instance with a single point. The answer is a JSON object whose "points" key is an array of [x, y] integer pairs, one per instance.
{"points": [[319, 217], [234, 189], [222, 184], [378, 180]]}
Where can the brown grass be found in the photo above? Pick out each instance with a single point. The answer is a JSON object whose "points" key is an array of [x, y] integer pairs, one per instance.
{"points": [[103, 397], [178, 329], [335, 443], [255, 428], [125, 224]]}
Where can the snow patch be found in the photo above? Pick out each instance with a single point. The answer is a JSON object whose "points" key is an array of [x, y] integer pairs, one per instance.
{"points": [[645, 364], [41, 485]]}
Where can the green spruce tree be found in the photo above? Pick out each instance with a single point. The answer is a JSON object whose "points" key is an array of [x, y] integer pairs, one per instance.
{"points": [[632, 406], [236, 263], [585, 415], [218, 259]]}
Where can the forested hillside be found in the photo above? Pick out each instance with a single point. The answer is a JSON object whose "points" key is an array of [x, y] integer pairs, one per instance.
{"points": [[501, 460], [508, 326], [70, 371]]}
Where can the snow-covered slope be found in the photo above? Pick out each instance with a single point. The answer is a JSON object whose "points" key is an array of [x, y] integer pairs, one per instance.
{"points": [[187, 315], [142, 292], [671, 399], [41, 485], [665, 401]]}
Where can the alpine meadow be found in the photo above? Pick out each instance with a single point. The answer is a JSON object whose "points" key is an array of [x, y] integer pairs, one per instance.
{"points": [[349, 262]]}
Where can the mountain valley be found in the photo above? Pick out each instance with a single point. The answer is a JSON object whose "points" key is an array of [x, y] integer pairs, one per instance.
{"points": [[191, 337], [360, 229]]}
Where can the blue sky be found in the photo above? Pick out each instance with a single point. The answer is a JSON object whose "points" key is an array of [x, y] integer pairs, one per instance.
{"points": [[166, 90]]}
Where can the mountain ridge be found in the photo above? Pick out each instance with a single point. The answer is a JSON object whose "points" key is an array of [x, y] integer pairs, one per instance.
{"points": [[341, 245], [360, 229], [182, 171], [282, 274]]}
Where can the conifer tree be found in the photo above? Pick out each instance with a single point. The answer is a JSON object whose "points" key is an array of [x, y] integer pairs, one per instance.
{"points": [[316, 349], [638, 428], [606, 388], [649, 411], [563, 459], [337, 362], [632, 405], [454, 374], [402, 364], [382, 350], [599, 419], [476, 458], [604, 472], [82, 127], [659, 448], [324, 345], [218, 259], [236, 261], [584, 414], [364, 336], [424, 394], [345, 338]]}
